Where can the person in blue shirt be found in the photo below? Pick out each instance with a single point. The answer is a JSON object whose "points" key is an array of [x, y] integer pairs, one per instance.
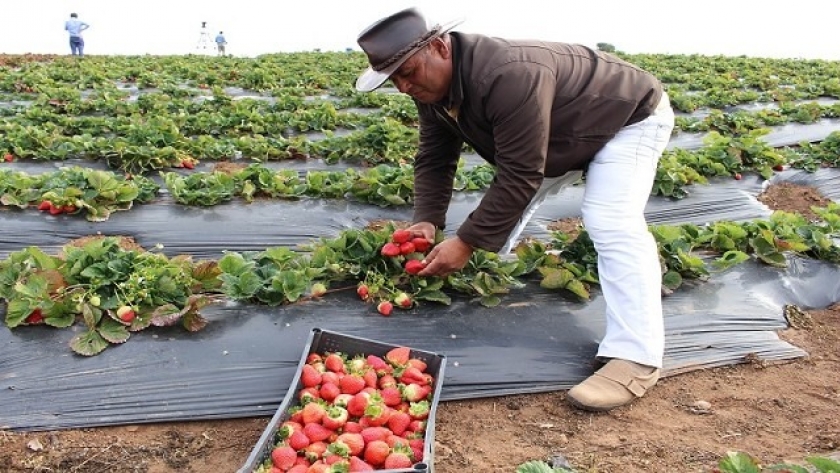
{"points": [[220, 43], [74, 26]]}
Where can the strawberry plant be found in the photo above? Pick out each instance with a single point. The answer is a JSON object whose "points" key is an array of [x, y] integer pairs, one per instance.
{"points": [[112, 290]]}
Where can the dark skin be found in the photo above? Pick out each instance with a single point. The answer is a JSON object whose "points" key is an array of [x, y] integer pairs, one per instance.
{"points": [[426, 76]]}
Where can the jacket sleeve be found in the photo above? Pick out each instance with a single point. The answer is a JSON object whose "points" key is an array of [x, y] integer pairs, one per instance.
{"points": [[434, 167], [518, 102]]}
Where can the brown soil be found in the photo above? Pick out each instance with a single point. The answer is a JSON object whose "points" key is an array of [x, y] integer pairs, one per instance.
{"points": [[780, 412]]}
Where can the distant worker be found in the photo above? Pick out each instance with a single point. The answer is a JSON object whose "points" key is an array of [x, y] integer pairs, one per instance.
{"points": [[220, 43], [74, 26]]}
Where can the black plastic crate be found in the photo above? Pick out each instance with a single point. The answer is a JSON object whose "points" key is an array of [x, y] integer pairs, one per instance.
{"points": [[323, 341]]}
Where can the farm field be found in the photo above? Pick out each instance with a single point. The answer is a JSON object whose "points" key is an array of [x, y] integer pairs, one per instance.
{"points": [[308, 178]]}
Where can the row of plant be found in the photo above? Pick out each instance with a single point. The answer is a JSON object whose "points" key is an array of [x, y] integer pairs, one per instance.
{"points": [[97, 193], [115, 289], [732, 462], [708, 81]]}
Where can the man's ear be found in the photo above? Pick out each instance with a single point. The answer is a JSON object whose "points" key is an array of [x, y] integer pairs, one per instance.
{"points": [[442, 47]]}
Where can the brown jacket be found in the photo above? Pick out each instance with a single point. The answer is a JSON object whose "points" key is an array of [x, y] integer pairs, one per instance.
{"points": [[531, 109]]}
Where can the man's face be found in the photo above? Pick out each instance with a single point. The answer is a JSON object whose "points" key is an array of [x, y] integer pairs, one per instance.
{"points": [[426, 75]]}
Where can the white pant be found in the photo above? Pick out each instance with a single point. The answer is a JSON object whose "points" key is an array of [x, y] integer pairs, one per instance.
{"points": [[618, 185]]}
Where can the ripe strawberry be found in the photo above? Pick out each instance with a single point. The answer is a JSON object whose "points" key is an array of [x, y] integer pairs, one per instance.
{"points": [[335, 418], [375, 433], [186, 163], [357, 364], [356, 406], [298, 440], [377, 363], [55, 209], [354, 441], [390, 250], [288, 427], [418, 363], [315, 450], [417, 425], [403, 300], [352, 427], [400, 236], [421, 244], [68, 209], [738, 176], [407, 248], [318, 290], [779, 167], [357, 464], [391, 396], [314, 358], [309, 376], [36, 317], [377, 414], [363, 291], [335, 363], [415, 392], [399, 422], [376, 452], [126, 314], [398, 459], [342, 399], [352, 384], [313, 413], [44, 205], [398, 356], [329, 391], [385, 308], [301, 468], [387, 381], [9, 157], [414, 266], [307, 395], [370, 377], [317, 432], [283, 457], [412, 375]]}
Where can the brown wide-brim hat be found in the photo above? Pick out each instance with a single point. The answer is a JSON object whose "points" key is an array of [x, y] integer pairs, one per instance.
{"points": [[390, 41]]}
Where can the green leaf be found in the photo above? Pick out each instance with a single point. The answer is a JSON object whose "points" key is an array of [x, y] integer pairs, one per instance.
{"points": [[490, 300], [824, 465], [88, 343], [672, 280], [737, 462], [729, 259], [538, 467], [434, 296], [17, 310], [113, 331], [555, 278], [578, 288]]}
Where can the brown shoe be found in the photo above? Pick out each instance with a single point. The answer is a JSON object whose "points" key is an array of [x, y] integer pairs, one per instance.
{"points": [[618, 383]]}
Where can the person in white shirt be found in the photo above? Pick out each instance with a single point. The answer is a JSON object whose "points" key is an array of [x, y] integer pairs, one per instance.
{"points": [[74, 26]]}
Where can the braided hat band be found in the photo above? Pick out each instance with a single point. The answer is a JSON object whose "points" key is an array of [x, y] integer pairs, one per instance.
{"points": [[416, 44]]}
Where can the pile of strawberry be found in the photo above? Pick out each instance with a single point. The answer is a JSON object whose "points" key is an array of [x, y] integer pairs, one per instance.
{"points": [[409, 252], [364, 413]]}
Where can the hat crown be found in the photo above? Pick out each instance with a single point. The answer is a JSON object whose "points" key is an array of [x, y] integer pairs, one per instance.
{"points": [[392, 37]]}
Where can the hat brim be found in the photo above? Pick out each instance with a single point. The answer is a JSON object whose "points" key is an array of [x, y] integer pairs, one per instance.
{"points": [[370, 79]]}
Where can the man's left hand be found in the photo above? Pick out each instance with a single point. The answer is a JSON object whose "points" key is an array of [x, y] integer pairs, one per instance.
{"points": [[447, 257]]}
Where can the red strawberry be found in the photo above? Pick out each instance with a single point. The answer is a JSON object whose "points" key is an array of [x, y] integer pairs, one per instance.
{"points": [[357, 464], [335, 418], [399, 422], [283, 457], [412, 375], [371, 434], [391, 396], [779, 167], [68, 209], [9, 157], [317, 432], [398, 459], [377, 363], [342, 399], [377, 414], [407, 248], [55, 209], [421, 244], [352, 384], [186, 163], [356, 407], [36, 317], [363, 291], [313, 413], [335, 363], [403, 300], [398, 356], [400, 236], [354, 441], [417, 425], [329, 391], [352, 427], [376, 452], [307, 395], [414, 266], [314, 358], [300, 468], [387, 381], [385, 308], [309, 376], [298, 440], [738, 176], [390, 250], [315, 450], [44, 205]]}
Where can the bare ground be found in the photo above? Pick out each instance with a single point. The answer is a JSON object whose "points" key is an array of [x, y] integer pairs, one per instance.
{"points": [[775, 412]]}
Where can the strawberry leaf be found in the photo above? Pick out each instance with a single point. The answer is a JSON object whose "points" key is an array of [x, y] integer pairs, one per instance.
{"points": [[166, 315], [17, 310], [88, 343], [113, 331]]}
